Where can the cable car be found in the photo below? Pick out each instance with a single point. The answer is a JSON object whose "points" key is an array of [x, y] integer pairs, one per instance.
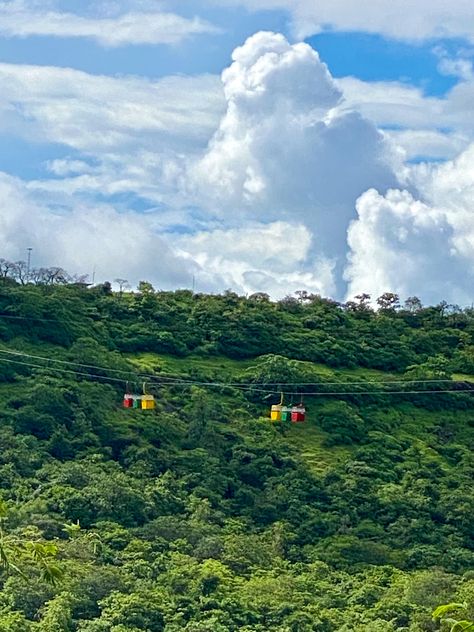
{"points": [[277, 410], [148, 402], [139, 402], [286, 413], [298, 413], [275, 413], [128, 399]]}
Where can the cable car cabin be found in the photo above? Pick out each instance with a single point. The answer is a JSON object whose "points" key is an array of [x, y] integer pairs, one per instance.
{"points": [[298, 414], [286, 413], [148, 402], [275, 413], [139, 402], [128, 400]]}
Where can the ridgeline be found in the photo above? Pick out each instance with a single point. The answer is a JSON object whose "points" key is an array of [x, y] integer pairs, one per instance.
{"points": [[201, 515]]}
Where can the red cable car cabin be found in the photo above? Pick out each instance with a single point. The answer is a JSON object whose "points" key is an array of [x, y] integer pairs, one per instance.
{"points": [[128, 400], [298, 414]]}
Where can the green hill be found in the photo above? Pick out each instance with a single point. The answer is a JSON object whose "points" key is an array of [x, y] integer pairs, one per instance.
{"points": [[202, 515]]}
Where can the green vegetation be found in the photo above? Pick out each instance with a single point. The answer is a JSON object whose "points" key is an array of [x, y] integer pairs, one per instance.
{"points": [[202, 516]]}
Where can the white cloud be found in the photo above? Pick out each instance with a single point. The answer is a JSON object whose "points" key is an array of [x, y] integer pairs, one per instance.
{"points": [[21, 19], [421, 246], [273, 258], [97, 113], [291, 155], [428, 144], [392, 103], [127, 134], [427, 126], [403, 19], [82, 237], [66, 167], [284, 149]]}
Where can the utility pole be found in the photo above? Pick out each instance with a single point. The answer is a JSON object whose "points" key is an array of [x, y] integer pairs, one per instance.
{"points": [[28, 265]]}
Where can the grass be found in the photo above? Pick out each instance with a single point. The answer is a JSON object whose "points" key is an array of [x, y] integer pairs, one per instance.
{"points": [[463, 377], [307, 440], [154, 362]]}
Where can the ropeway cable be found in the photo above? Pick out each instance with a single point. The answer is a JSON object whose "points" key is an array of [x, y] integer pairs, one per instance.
{"points": [[186, 384]]}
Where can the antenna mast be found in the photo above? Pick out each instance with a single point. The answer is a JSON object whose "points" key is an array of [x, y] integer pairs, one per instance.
{"points": [[28, 265]]}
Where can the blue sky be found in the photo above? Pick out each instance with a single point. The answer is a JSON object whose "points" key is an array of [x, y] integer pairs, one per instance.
{"points": [[115, 117], [196, 55], [375, 58], [368, 56]]}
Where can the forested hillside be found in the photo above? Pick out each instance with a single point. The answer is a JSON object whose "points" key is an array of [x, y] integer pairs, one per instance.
{"points": [[203, 516]]}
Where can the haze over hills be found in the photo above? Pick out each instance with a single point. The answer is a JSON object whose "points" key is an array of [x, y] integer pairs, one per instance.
{"points": [[203, 515]]}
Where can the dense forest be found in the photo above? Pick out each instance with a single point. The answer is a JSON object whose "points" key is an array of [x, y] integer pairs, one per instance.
{"points": [[203, 516]]}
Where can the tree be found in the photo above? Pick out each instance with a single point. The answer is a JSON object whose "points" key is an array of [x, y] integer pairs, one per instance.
{"points": [[6, 268], [364, 300], [145, 287], [435, 368], [304, 296], [105, 288], [141, 610], [360, 306], [50, 276], [20, 272], [274, 369], [22, 556], [448, 616], [123, 285], [259, 297], [413, 304], [388, 301]]}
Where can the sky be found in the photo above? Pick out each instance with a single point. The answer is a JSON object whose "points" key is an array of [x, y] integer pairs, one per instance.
{"points": [[252, 145]]}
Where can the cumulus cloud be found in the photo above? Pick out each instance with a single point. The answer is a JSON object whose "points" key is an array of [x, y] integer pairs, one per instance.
{"points": [[290, 152], [417, 245], [404, 19], [21, 19], [273, 258], [285, 150]]}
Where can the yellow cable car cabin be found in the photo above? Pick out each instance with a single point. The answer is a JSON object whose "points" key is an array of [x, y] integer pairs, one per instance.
{"points": [[275, 413], [277, 410], [148, 402]]}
